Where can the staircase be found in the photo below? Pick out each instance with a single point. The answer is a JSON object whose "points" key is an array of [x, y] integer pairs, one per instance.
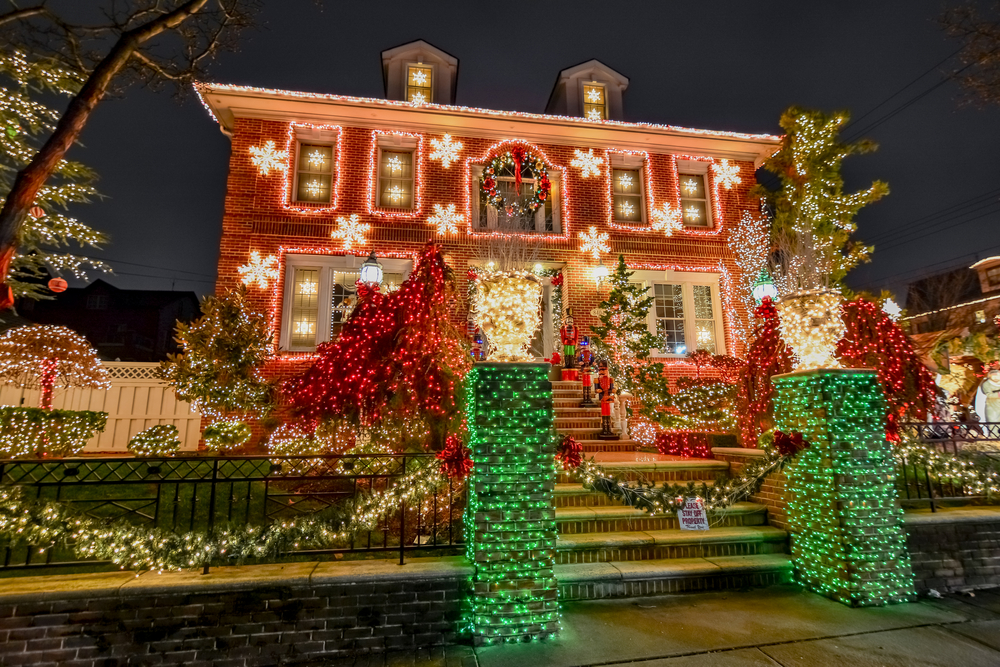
{"points": [[606, 549]]}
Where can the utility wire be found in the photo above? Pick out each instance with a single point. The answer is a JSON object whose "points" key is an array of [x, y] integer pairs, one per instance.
{"points": [[149, 266], [934, 217], [935, 231], [927, 269]]}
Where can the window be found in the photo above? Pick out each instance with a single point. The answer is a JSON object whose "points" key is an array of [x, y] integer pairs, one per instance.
{"points": [[545, 219], [668, 302], [626, 189], [314, 172], [419, 83], [686, 312], [395, 179], [320, 293], [97, 302], [694, 200], [595, 101], [993, 276]]}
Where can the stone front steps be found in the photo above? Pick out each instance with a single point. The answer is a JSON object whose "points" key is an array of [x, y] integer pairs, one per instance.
{"points": [[654, 468], [669, 543], [619, 518]]}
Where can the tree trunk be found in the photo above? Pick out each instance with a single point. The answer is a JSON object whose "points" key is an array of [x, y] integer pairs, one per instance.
{"points": [[47, 382], [29, 180]]}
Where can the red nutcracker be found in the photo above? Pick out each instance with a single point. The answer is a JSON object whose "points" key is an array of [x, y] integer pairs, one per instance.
{"points": [[586, 361], [606, 394], [570, 336]]}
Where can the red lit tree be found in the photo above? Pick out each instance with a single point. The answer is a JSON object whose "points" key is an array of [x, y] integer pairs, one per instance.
{"points": [[397, 364], [767, 356]]}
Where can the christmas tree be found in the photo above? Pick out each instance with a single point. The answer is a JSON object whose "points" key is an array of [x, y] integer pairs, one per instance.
{"points": [[222, 353], [398, 363], [23, 120], [623, 336]]}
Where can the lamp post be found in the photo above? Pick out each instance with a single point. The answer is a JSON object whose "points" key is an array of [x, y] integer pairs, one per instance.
{"points": [[764, 287], [600, 274], [371, 271]]}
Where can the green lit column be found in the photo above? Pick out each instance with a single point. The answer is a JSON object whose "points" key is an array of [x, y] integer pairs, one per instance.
{"points": [[848, 541], [511, 513]]}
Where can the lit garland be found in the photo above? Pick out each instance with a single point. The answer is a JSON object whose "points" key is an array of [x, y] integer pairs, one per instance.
{"points": [[32, 432], [976, 475], [335, 181], [259, 270], [446, 219], [594, 242], [811, 325], [445, 150], [727, 175], [268, 159], [158, 440], [418, 177], [588, 163], [505, 306], [750, 245], [351, 231]]}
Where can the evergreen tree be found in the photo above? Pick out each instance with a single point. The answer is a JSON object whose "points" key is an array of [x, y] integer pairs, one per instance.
{"points": [[623, 336], [222, 353], [23, 122], [811, 202]]}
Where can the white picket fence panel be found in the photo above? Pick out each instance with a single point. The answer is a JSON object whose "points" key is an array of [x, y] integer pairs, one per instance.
{"points": [[136, 401]]}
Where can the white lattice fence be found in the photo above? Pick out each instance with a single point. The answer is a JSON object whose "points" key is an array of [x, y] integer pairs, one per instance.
{"points": [[136, 401]]}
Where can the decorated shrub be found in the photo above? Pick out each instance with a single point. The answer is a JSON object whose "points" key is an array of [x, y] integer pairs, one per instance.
{"points": [[28, 432], [226, 435], [159, 440]]}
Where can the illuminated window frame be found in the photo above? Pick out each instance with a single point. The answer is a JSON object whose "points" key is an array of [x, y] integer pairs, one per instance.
{"points": [[689, 167], [429, 89], [555, 194], [399, 141], [687, 280], [412, 178], [585, 106], [300, 143], [698, 164], [315, 134], [326, 266], [632, 161]]}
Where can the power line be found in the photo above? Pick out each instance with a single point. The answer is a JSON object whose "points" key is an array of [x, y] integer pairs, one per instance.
{"points": [[936, 231], [927, 269], [150, 266], [932, 218], [149, 275]]}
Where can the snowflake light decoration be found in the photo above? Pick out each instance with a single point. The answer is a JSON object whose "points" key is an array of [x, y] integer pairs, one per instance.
{"points": [[316, 158], [259, 270], [594, 114], [693, 213], [445, 150], [667, 219], [395, 164], [691, 186], [351, 231], [267, 159], [727, 174], [395, 194], [418, 98], [588, 163], [625, 181], [446, 219], [627, 209], [314, 188], [593, 95], [595, 242], [419, 77]]}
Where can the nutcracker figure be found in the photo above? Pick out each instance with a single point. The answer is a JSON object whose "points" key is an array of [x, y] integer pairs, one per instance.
{"points": [[586, 361], [570, 336], [606, 395], [478, 345]]}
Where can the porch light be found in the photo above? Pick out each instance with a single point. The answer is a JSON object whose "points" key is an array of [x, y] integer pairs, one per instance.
{"points": [[371, 271], [764, 287], [600, 273]]}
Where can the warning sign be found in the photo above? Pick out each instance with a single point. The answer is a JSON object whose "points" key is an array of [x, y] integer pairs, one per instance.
{"points": [[693, 515]]}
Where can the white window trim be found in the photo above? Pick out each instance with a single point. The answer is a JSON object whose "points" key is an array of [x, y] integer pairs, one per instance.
{"points": [[395, 143], [698, 167], [555, 196], [314, 137], [630, 162], [686, 279], [406, 78], [327, 265], [583, 97]]}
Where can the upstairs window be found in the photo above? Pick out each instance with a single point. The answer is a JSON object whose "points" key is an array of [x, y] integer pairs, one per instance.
{"points": [[419, 83], [97, 302], [595, 101], [395, 179], [695, 210], [993, 276], [314, 173], [545, 220], [626, 189]]}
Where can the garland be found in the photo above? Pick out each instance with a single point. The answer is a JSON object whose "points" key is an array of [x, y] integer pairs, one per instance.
{"points": [[26, 521], [516, 159], [980, 476]]}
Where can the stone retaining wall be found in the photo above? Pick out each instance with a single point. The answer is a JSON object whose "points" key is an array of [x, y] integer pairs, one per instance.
{"points": [[955, 549], [772, 491], [260, 615]]}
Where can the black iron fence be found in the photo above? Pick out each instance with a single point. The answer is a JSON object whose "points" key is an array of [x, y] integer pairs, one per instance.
{"points": [[970, 440], [202, 494]]}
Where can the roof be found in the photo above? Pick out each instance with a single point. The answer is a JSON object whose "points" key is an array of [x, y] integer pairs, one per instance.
{"points": [[985, 262], [226, 102]]}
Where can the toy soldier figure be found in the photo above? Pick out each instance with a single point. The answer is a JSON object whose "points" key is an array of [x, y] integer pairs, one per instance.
{"points": [[606, 394], [586, 361], [478, 345], [570, 336]]}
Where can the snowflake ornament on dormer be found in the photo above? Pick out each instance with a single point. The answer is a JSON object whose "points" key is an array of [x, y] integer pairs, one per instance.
{"points": [[267, 159], [445, 150], [726, 174], [594, 242], [446, 219], [351, 231], [259, 271], [588, 163]]}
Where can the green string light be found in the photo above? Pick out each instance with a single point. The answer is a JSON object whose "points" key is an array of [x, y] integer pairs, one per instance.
{"points": [[848, 541]]}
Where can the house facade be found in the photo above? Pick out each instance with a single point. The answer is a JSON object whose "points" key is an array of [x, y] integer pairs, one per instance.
{"points": [[318, 182]]}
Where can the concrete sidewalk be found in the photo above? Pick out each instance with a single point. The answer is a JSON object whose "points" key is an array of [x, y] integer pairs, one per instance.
{"points": [[781, 625]]}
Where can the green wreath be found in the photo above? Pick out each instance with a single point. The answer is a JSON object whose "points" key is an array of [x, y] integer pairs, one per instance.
{"points": [[517, 159]]}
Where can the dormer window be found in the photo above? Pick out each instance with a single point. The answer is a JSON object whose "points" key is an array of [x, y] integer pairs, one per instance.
{"points": [[595, 101], [419, 83]]}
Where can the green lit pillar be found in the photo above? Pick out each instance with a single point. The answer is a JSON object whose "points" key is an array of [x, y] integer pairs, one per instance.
{"points": [[511, 512], [848, 541]]}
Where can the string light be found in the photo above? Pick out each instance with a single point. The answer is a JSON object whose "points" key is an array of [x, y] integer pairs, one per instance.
{"points": [[446, 219], [289, 203], [812, 326], [351, 231], [726, 174], [588, 163], [667, 219], [259, 271], [445, 150], [505, 306], [33, 432], [268, 158], [397, 193], [749, 243], [594, 242], [158, 440]]}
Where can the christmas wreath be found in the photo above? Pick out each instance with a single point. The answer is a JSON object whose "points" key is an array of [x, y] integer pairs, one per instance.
{"points": [[517, 159]]}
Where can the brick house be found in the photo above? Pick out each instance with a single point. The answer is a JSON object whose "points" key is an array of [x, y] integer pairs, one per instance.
{"points": [[338, 162]]}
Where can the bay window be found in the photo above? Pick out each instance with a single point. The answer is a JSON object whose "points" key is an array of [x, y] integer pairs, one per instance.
{"points": [[686, 314]]}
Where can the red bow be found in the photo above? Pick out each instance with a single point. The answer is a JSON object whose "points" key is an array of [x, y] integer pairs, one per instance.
{"points": [[789, 443]]}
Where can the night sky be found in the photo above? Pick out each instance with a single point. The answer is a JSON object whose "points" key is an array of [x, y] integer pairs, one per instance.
{"points": [[722, 66]]}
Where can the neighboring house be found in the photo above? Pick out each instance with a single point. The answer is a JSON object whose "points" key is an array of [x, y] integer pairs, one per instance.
{"points": [[334, 162], [124, 325], [954, 299]]}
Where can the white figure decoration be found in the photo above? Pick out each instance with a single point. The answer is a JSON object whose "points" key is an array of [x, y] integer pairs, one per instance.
{"points": [[988, 397]]}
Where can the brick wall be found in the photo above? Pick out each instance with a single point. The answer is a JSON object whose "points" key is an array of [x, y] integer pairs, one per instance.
{"points": [[954, 550], [258, 623], [772, 491]]}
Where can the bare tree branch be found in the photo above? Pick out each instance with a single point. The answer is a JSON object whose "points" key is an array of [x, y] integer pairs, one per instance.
{"points": [[978, 29]]}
